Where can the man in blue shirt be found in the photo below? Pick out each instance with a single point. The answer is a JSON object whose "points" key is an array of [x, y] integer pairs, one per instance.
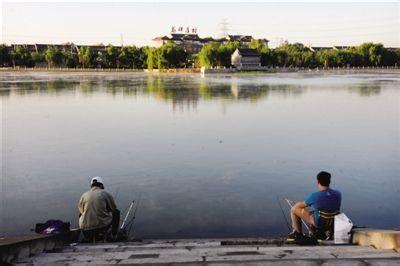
{"points": [[326, 199]]}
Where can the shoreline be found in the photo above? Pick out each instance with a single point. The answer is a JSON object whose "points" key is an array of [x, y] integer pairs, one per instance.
{"points": [[208, 71]]}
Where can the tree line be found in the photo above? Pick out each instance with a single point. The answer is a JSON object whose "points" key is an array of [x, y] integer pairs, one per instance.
{"points": [[299, 55], [212, 54], [84, 56]]}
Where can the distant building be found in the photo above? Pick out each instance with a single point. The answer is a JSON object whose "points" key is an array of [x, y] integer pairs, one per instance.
{"points": [[341, 47], [319, 48], [244, 39], [193, 43], [335, 47], [190, 42], [245, 58]]}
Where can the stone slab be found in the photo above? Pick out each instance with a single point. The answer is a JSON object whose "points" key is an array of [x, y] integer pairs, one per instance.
{"points": [[380, 239]]}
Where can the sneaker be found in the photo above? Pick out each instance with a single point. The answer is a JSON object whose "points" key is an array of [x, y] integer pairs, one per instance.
{"points": [[295, 236]]}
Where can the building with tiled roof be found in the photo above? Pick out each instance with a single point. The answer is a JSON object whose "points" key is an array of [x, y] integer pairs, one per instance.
{"points": [[246, 58], [193, 43]]}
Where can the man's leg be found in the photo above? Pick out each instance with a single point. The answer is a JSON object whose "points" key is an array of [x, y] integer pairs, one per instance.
{"points": [[115, 222], [297, 214], [87, 236]]}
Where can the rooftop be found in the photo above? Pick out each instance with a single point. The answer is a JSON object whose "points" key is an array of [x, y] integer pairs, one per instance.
{"points": [[196, 37], [248, 52]]}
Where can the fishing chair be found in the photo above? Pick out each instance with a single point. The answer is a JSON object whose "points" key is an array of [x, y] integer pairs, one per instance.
{"points": [[326, 223], [96, 235], [104, 234]]}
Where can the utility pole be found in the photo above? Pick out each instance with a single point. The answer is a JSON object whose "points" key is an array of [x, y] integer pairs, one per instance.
{"points": [[122, 39], [224, 27]]}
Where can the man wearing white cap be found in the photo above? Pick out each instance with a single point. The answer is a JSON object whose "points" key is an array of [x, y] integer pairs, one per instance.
{"points": [[98, 210]]}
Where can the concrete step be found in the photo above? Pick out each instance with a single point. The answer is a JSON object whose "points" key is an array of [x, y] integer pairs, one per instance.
{"points": [[188, 252]]}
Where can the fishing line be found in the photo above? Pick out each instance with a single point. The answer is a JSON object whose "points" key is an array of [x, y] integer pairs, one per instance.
{"points": [[134, 216], [116, 193], [283, 213], [291, 205]]}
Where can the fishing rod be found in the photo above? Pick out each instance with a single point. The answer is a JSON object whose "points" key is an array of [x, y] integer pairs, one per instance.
{"points": [[134, 216], [291, 205], [127, 214], [283, 213]]}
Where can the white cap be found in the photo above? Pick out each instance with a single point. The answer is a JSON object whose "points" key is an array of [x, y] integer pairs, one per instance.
{"points": [[97, 179]]}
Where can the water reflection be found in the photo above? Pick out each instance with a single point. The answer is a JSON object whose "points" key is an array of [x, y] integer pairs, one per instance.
{"points": [[40, 87], [366, 89], [178, 90], [183, 91]]}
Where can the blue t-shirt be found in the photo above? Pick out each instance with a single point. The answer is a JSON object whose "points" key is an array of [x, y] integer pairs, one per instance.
{"points": [[325, 200]]}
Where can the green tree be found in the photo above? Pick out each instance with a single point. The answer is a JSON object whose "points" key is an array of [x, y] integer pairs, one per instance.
{"points": [[171, 56], [70, 58], [161, 61], [208, 55], [141, 57], [326, 58], [151, 57], [111, 57], [86, 56], [376, 53], [125, 57], [133, 57], [370, 53], [22, 57], [38, 57], [295, 55], [354, 58], [278, 57], [397, 57], [225, 52], [267, 57], [5, 55], [260, 46], [53, 56]]}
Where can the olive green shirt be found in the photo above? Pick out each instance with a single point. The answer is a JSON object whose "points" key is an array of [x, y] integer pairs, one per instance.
{"points": [[96, 207]]}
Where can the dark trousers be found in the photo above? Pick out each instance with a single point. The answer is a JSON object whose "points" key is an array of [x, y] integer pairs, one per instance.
{"points": [[102, 232]]}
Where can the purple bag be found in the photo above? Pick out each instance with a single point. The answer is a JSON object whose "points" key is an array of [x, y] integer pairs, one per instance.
{"points": [[52, 227]]}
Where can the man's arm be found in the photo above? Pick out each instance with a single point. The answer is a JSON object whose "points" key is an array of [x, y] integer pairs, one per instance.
{"points": [[81, 205], [309, 200]]}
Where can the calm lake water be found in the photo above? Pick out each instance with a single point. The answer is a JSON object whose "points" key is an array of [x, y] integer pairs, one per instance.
{"points": [[208, 156]]}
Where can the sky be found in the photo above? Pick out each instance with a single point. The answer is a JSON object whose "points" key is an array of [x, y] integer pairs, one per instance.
{"points": [[312, 23]]}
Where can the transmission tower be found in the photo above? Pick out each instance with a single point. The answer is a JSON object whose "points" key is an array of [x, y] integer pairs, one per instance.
{"points": [[224, 27]]}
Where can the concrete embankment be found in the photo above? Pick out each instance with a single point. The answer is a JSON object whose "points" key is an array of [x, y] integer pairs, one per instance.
{"points": [[371, 247]]}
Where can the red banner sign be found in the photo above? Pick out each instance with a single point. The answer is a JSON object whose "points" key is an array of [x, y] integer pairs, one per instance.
{"points": [[184, 30]]}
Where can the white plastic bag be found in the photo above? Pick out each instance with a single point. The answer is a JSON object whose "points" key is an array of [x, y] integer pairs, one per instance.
{"points": [[343, 226]]}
